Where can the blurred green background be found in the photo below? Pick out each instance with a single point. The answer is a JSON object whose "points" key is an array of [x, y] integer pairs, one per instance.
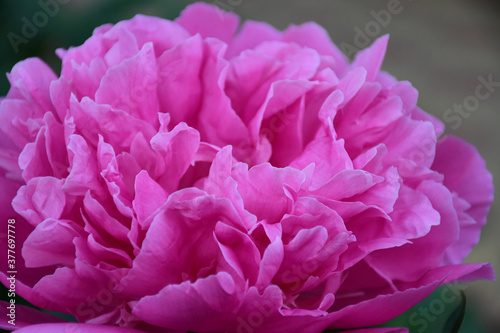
{"points": [[440, 46]]}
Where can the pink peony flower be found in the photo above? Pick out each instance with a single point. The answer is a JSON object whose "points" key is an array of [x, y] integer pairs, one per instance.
{"points": [[186, 176]]}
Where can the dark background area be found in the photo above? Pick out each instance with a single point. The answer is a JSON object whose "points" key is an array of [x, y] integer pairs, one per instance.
{"points": [[442, 47]]}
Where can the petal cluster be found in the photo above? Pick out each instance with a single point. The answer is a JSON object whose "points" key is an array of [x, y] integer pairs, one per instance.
{"points": [[189, 176]]}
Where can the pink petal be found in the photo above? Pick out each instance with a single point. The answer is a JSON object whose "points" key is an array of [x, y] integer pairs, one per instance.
{"points": [[285, 133], [329, 157], [40, 199], [217, 122], [76, 327], [84, 296], [30, 80], [51, 243], [222, 185], [176, 149], [346, 184], [117, 127], [60, 93], [18, 122], [209, 21], [103, 224], [131, 86], [33, 159], [270, 264], [419, 114], [179, 242], [149, 196], [380, 330], [255, 73], [266, 190], [180, 87], [413, 215], [371, 58], [316, 37], [359, 102], [163, 33], [382, 308], [413, 260], [250, 35], [384, 194], [24, 317], [124, 47], [83, 168], [205, 305], [413, 141], [466, 175]]}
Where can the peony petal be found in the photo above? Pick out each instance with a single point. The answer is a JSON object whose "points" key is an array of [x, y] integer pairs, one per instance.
{"points": [[465, 174], [103, 224], [270, 264], [177, 149], [117, 127], [284, 130], [239, 251], [179, 242], [217, 122], [346, 184], [17, 123], [124, 47], [131, 86], [413, 260], [365, 313], [33, 159], [316, 37], [51, 243], [163, 33], [371, 58], [412, 141], [40, 199], [30, 80], [209, 21], [179, 87], [149, 196], [24, 317], [266, 190], [87, 79], [329, 157], [250, 35], [83, 168], [254, 77], [76, 328], [380, 330], [202, 305]]}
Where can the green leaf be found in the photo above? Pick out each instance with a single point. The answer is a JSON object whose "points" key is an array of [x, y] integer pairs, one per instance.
{"points": [[443, 311], [455, 320]]}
